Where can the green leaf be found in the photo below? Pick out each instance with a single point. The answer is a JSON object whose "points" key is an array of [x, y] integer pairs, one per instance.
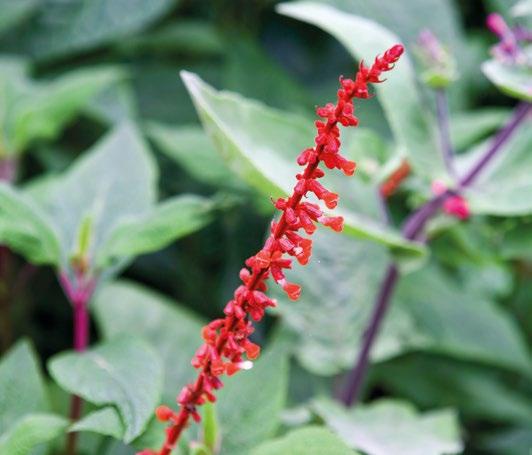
{"points": [[311, 440], [464, 386], [40, 110], [515, 81], [349, 272], [460, 323], [210, 427], [261, 143], [123, 307], [124, 372], [78, 26], [505, 187], [15, 12], [21, 385], [30, 431], [391, 426], [412, 126], [191, 148], [125, 187], [250, 404], [174, 218], [467, 128], [26, 229], [104, 421]]}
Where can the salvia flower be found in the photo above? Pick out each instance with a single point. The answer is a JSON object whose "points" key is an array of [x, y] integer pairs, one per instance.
{"points": [[226, 340], [455, 204], [439, 65]]}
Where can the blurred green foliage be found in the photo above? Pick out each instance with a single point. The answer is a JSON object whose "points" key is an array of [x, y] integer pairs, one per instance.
{"points": [[141, 142]]}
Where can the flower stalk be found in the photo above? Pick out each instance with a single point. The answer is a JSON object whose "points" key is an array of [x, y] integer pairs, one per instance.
{"points": [[226, 340]]}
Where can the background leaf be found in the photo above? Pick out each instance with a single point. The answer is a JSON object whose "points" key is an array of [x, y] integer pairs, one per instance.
{"points": [[311, 440], [124, 372], [389, 426]]}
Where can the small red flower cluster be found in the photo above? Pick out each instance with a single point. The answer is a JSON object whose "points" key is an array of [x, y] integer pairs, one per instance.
{"points": [[395, 179], [227, 339]]}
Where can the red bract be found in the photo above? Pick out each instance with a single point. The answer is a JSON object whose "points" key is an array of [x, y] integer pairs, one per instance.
{"points": [[227, 339]]}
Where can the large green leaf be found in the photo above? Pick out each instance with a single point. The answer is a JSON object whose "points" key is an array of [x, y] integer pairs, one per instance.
{"points": [[30, 431], [348, 272], [393, 427], [26, 229], [312, 440], [174, 218], [113, 182], [80, 25], [250, 404], [33, 110], [411, 125], [515, 81], [122, 307], [459, 322], [124, 372], [505, 187], [261, 144], [21, 386]]}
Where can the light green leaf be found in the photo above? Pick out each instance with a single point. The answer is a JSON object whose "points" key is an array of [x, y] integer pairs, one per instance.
{"points": [[412, 126], [124, 372], [77, 26], [460, 323], [21, 385], [123, 307], [261, 145], [191, 148], [30, 431], [515, 81], [15, 12], [249, 405], [311, 440], [348, 272], [393, 427], [467, 128], [112, 182], [174, 218], [104, 421], [40, 110], [26, 229], [505, 187]]}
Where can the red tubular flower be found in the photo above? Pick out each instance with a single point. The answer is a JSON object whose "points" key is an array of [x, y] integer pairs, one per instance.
{"points": [[390, 186], [227, 339]]}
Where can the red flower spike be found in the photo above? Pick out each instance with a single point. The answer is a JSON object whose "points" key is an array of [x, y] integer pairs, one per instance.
{"points": [[227, 339]]}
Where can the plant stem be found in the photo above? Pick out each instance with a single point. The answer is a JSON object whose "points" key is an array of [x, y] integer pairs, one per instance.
{"points": [[79, 295], [356, 376], [412, 230], [442, 115], [8, 169]]}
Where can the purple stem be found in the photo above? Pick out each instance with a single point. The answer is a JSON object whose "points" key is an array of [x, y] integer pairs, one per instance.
{"points": [[79, 294], [8, 169], [412, 230], [442, 114]]}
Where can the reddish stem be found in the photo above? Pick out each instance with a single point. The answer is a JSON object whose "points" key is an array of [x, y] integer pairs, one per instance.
{"points": [[78, 294]]}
